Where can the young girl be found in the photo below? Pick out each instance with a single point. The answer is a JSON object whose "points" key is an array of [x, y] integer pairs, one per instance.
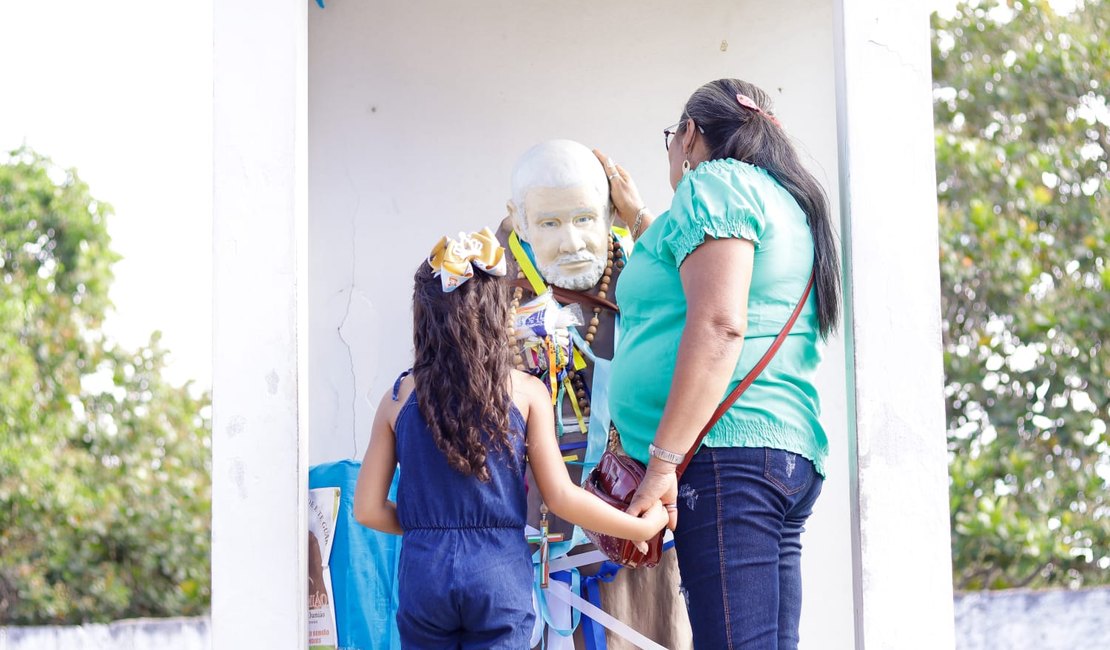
{"points": [[460, 426]]}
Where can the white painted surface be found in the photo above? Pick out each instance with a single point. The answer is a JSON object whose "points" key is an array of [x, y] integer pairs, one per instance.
{"points": [[417, 111], [139, 634], [1021, 619], [900, 488], [260, 473]]}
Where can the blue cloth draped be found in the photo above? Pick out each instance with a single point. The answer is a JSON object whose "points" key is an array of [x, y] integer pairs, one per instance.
{"points": [[363, 567]]}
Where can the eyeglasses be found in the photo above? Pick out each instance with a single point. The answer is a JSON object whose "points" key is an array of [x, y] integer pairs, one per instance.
{"points": [[671, 131]]}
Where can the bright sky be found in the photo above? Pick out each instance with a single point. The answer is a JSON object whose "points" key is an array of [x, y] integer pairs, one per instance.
{"points": [[121, 90]]}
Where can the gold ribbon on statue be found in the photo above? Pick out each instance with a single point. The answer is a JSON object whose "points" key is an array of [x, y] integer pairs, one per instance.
{"points": [[455, 260], [538, 285], [574, 403], [552, 368]]}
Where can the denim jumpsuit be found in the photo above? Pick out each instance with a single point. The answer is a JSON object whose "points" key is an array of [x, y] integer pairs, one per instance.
{"points": [[465, 577]]}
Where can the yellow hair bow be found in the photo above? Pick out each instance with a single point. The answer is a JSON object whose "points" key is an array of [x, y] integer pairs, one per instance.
{"points": [[454, 260]]}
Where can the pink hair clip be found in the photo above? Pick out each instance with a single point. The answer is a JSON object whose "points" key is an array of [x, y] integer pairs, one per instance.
{"points": [[749, 103]]}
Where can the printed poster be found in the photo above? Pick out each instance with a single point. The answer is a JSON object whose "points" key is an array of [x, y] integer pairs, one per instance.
{"points": [[323, 511]]}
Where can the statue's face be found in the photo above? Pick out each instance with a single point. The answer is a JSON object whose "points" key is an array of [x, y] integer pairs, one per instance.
{"points": [[568, 230]]}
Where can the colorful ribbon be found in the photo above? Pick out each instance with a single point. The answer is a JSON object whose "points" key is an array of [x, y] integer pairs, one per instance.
{"points": [[455, 260]]}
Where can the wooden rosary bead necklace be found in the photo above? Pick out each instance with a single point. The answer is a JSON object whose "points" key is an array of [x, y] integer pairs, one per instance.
{"points": [[578, 381]]}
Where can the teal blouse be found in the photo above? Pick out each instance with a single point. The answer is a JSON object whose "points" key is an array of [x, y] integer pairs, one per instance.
{"points": [[723, 198]]}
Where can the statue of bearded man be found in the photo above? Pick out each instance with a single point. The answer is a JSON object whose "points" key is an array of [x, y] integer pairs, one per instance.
{"points": [[560, 235]]}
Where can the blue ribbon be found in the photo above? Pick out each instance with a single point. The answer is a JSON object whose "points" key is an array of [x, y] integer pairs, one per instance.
{"points": [[597, 436], [572, 579], [594, 633]]}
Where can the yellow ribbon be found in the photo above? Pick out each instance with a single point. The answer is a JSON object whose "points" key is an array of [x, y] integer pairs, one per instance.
{"points": [[538, 285], [455, 260], [552, 369], [574, 403], [526, 266]]}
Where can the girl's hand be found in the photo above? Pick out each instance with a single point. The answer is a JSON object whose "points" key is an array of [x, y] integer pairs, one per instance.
{"points": [[657, 517], [659, 484], [622, 190], [653, 521]]}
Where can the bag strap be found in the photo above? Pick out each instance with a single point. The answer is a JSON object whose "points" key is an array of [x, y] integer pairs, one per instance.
{"points": [[748, 379]]}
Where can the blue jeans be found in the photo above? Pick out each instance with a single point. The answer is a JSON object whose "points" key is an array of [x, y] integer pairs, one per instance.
{"points": [[741, 512]]}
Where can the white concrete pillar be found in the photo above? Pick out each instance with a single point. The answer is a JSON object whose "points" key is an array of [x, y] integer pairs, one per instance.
{"points": [[902, 557], [259, 469]]}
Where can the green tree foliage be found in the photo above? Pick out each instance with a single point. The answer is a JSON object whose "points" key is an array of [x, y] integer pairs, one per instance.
{"points": [[1021, 131], [104, 467]]}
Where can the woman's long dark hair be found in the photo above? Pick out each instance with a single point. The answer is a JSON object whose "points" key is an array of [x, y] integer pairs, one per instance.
{"points": [[733, 131], [462, 367]]}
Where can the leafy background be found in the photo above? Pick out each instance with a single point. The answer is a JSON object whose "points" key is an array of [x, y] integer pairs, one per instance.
{"points": [[105, 494], [1021, 138]]}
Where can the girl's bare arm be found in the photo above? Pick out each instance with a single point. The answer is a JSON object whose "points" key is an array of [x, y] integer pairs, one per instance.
{"points": [[373, 508], [562, 496]]}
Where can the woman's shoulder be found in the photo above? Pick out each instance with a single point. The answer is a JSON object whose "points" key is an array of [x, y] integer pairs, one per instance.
{"points": [[722, 198], [724, 179], [728, 169]]}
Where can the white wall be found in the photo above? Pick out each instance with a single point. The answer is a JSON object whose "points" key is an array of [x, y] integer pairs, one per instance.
{"points": [[1022, 619], [417, 111], [138, 634]]}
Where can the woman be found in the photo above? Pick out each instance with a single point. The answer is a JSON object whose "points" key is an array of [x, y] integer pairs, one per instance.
{"points": [[710, 284]]}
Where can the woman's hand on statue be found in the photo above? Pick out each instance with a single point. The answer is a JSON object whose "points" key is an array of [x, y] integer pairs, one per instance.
{"points": [[660, 484], [622, 190]]}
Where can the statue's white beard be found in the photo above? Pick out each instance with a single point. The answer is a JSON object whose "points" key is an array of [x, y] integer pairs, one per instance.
{"points": [[580, 281]]}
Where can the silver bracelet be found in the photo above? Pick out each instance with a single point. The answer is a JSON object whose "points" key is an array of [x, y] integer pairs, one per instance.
{"points": [[636, 223], [664, 455]]}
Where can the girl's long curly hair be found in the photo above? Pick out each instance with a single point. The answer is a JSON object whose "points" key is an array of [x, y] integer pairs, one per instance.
{"points": [[462, 365]]}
